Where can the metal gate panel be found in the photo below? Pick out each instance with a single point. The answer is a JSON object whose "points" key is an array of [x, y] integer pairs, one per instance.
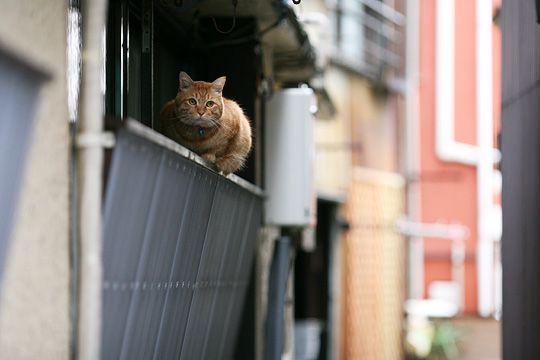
{"points": [[178, 246]]}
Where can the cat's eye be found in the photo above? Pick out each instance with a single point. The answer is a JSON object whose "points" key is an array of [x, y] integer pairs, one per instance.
{"points": [[210, 103], [192, 101]]}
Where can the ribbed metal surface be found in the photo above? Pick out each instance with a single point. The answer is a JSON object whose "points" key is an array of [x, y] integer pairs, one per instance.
{"points": [[520, 141], [521, 49], [178, 245], [19, 88], [277, 288]]}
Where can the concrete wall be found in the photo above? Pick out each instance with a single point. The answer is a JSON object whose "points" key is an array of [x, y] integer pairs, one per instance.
{"points": [[374, 126], [333, 143], [441, 183], [34, 304], [364, 131]]}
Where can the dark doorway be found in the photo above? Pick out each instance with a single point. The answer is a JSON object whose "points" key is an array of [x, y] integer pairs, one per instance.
{"points": [[313, 281]]}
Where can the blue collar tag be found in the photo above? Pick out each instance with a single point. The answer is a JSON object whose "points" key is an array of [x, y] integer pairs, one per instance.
{"points": [[200, 131]]}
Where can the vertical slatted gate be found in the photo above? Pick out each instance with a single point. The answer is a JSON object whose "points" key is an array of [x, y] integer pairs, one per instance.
{"points": [[179, 241]]}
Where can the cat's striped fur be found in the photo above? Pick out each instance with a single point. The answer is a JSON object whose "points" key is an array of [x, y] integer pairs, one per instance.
{"points": [[202, 120]]}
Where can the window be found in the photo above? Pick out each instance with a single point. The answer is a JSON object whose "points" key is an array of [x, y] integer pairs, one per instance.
{"points": [[149, 42], [365, 33]]}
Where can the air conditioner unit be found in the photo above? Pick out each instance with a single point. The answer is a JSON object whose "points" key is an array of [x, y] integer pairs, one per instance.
{"points": [[289, 158]]}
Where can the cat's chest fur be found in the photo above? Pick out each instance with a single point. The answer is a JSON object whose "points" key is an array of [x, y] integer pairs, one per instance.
{"points": [[196, 138], [226, 145], [202, 120]]}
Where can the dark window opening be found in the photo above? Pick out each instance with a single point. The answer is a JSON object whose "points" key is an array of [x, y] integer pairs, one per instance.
{"points": [[366, 34], [148, 44]]}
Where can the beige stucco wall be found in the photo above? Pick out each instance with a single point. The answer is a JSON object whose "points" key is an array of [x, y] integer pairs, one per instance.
{"points": [[363, 132], [333, 138], [375, 126], [34, 303]]}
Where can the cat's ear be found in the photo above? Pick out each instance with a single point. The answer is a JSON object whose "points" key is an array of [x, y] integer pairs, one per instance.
{"points": [[185, 81], [218, 84]]}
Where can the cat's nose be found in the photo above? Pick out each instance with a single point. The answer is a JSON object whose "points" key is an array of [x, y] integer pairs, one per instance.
{"points": [[201, 112]]}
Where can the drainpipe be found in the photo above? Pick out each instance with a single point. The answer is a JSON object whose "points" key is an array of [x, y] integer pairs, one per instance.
{"points": [[484, 130], [90, 159], [412, 149], [482, 156]]}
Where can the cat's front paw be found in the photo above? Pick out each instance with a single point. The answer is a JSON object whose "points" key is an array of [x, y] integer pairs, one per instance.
{"points": [[228, 165], [209, 157]]}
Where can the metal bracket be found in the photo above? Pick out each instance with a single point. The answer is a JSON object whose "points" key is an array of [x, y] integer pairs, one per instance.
{"points": [[433, 230], [91, 139]]}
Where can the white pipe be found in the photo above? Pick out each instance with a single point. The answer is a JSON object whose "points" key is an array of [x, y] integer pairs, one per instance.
{"points": [[412, 148], [454, 232], [444, 84], [90, 191], [432, 230], [447, 148], [484, 130], [483, 156]]}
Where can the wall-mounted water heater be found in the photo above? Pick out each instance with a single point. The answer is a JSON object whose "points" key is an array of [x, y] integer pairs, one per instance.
{"points": [[289, 158]]}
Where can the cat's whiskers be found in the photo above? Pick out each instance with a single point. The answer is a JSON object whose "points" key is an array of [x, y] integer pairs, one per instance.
{"points": [[216, 124], [229, 135]]}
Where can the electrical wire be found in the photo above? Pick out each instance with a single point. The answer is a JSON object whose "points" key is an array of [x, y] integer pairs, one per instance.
{"points": [[245, 39], [283, 13], [226, 32]]}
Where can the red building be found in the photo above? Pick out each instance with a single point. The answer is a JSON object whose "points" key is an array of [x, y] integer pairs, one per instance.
{"points": [[458, 117]]}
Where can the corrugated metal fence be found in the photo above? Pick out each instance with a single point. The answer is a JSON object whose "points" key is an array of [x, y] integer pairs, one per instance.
{"points": [[179, 242], [520, 141]]}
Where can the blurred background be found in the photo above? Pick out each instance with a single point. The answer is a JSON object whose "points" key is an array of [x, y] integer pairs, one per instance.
{"points": [[367, 222]]}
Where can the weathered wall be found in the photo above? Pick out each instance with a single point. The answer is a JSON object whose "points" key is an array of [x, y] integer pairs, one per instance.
{"points": [[333, 138], [34, 304], [363, 132], [374, 126]]}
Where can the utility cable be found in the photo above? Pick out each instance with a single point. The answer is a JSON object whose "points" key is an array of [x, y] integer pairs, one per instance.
{"points": [[226, 32]]}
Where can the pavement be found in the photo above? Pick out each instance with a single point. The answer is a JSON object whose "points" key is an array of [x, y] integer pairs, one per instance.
{"points": [[481, 338]]}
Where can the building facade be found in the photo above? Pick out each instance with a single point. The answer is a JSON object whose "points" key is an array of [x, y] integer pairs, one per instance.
{"points": [[35, 304], [458, 182]]}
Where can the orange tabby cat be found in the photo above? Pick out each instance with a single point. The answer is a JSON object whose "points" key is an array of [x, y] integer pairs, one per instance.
{"points": [[208, 124]]}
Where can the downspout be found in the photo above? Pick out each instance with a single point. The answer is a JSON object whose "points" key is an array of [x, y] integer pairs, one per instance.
{"points": [[412, 150], [90, 159], [484, 135], [446, 147], [483, 156]]}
